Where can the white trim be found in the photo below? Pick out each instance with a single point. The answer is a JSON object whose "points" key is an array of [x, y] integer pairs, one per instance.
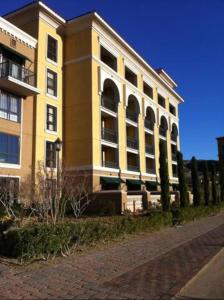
{"points": [[152, 156], [106, 74], [148, 131], [149, 174], [135, 124], [21, 83], [131, 173], [109, 144], [98, 168], [17, 33], [10, 166], [129, 91], [134, 151], [109, 47], [107, 111], [51, 12]]}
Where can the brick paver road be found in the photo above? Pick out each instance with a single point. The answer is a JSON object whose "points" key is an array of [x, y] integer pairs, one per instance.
{"points": [[147, 266]]}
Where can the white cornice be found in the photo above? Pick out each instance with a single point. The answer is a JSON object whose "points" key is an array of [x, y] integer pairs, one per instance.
{"points": [[17, 33]]}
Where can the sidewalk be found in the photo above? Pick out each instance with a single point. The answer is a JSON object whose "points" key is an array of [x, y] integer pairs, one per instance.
{"points": [[147, 266], [208, 283]]}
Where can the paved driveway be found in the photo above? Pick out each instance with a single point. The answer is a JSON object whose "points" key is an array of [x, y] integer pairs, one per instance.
{"points": [[147, 266]]}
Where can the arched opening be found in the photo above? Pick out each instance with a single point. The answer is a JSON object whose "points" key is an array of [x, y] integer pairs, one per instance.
{"points": [[109, 125], [174, 133], [132, 113], [163, 126], [110, 95], [133, 109], [150, 118]]}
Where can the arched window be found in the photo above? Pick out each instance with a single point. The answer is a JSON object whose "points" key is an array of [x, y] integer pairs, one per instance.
{"points": [[163, 126], [110, 95], [174, 133], [133, 109], [150, 118]]}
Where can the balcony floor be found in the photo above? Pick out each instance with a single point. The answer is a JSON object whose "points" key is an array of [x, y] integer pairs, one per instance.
{"points": [[18, 87]]}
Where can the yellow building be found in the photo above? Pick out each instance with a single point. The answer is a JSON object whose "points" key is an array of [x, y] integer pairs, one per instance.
{"points": [[107, 104]]}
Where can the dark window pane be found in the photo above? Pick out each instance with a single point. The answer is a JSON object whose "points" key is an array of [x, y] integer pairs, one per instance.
{"points": [[51, 83], [51, 118], [50, 155], [52, 48], [9, 148]]}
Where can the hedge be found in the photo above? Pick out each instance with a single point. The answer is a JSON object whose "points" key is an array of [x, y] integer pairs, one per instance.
{"points": [[43, 240]]}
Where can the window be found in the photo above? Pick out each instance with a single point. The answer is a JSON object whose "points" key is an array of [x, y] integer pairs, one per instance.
{"points": [[161, 101], [51, 83], [9, 107], [108, 58], [9, 148], [50, 155], [172, 110], [52, 48], [148, 90], [51, 118], [130, 76]]}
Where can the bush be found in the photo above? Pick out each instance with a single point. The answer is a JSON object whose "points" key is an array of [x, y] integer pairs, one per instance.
{"points": [[43, 240]]}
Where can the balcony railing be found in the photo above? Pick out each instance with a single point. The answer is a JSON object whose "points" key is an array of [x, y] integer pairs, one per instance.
{"points": [[132, 143], [110, 164], [134, 168], [109, 135], [132, 116], [150, 171], [149, 149], [162, 131], [174, 157], [149, 124], [108, 103], [17, 71], [173, 137]]}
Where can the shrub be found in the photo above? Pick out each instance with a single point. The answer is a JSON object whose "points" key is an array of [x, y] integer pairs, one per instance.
{"points": [[43, 240], [164, 178], [214, 189], [195, 182], [206, 184], [182, 180]]}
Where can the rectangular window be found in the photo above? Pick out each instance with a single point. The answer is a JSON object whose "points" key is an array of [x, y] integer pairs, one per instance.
{"points": [[130, 76], [172, 110], [148, 90], [50, 155], [51, 118], [51, 83], [52, 48], [9, 148], [10, 107], [108, 58]]}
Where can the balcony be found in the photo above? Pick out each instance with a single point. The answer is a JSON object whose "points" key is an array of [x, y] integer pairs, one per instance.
{"points": [[17, 79], [174, 157], [149, 149], [133, 168], [149, 124], [132, 116], [109, 135], [108, 103], [173, 137], [110, 164], [150, 171], [132, 143], [162, 131]]}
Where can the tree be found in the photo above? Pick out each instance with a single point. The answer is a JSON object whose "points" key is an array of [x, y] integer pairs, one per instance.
{"points": [[214, 190], [182, 180], [206, 184], [164, 179], [221, 178], [195, 182]]}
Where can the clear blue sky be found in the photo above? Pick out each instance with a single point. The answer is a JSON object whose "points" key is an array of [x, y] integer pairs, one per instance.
{"points": [[186, 38]]}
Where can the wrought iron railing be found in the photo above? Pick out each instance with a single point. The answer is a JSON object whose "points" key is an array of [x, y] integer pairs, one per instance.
{"points": [[174, 156], [150, 171], [132, 143], [133, 168], [149, 124], [109, 135], [17, 71], [149, 149], [110, 164], [162, 131], [132, 116], [173, 137], [108, 103]]}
